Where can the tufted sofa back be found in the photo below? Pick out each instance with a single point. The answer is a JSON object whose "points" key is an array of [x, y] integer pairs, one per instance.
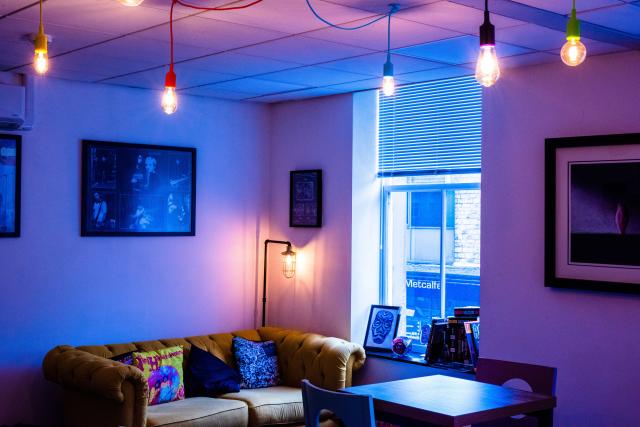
{"points": [[326, 362]]}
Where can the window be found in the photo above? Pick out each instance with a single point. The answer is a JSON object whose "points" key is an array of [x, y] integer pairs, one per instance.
{"points": [[429, 165]]}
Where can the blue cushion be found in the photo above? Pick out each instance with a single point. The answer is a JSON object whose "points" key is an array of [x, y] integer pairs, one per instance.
{"points": [[257, 363], [206, 375]]}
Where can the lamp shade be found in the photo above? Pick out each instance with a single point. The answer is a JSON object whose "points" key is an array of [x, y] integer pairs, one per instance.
{"points": [[289, 263]]}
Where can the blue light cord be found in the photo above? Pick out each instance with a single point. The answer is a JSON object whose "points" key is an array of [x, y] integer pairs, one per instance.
{"points": [[394, 9]]}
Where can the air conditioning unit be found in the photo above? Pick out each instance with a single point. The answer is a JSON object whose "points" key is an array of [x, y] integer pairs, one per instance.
{"points": [[16, 102]]}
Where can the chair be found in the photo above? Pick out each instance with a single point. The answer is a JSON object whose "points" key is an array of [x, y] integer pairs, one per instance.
{"points": [[541, 379], [352, 409]]}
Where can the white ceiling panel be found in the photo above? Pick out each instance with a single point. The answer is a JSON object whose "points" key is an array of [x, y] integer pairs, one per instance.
{"points": [[236, 63], [624, 18], [303, 50], [403, 33], [528, 59], [210, 92], [319, 76], [211, 34], [563, 7], [10, 6], [257, 87], [296, 95], [289, 16], [105, 16], [532, 37], [154, 79], [377, 6], [372, 64], [455, 17], [435, 74], [13, 54], [367, 84], [102, 66]]}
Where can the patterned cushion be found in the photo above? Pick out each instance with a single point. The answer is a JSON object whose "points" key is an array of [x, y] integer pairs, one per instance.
{"points": [[125, 358], [257, 363], [163, 372]]}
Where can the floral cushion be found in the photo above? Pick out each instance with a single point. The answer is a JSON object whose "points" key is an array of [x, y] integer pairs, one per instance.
{"points": [[163, 371], [257, 363]]}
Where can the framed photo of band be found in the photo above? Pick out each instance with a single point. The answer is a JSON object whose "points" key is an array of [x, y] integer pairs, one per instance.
{"points": [[593, 213], [10, 171], [137, 190]]}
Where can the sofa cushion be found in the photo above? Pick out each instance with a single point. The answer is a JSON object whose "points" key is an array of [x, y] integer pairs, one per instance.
{"points": [[257, 363], [206, 375], [163, 372], [272, 405], [198, 412]]}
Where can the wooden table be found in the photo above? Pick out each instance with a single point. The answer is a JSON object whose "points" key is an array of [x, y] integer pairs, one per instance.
{"points": [[452, 402]]}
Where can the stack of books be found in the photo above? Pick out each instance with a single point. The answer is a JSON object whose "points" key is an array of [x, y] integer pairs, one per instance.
{"points": [[455, 340]]}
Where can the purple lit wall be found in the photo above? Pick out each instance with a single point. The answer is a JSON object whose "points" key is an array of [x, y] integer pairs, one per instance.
{"points": [[60, 288], [591, 338]]}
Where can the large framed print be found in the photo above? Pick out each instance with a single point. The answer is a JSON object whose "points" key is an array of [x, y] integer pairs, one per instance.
{"points": [[10, 164], [593, 213], [138, 190], [305, 198], [382, 327]]}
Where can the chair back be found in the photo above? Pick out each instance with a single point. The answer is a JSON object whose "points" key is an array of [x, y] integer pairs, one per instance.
{"points": [[541, 379], [352, 409]]}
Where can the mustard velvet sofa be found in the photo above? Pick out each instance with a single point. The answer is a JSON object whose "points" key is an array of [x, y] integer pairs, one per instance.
{"points": [[98, 392]]}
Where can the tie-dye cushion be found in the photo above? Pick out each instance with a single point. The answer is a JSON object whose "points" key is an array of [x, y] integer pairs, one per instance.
{"points": [[163, 371], [257, 363]]}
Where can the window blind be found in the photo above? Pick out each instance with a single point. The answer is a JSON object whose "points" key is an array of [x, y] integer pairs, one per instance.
{"points": [[431, 128]]}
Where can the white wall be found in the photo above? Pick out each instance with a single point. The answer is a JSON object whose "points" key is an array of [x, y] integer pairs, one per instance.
{"points": [[591, 338], [59, 288]]}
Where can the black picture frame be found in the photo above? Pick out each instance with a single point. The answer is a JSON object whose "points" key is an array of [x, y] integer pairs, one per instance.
{"points": [[152, 189], [380, 337], [10, 170], [597, 165], [305, 198]]}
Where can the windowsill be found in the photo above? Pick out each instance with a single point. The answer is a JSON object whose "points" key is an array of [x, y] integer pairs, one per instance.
{"points": [[417, 359]]}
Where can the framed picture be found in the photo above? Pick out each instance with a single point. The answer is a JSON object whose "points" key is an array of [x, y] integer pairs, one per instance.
{"points": [[382, 327], [305, 199], [10, 163], [138, 190], [592, 215]]}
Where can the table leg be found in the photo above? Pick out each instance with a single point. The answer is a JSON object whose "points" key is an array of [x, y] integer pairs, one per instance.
{"points": [[545, 418]]}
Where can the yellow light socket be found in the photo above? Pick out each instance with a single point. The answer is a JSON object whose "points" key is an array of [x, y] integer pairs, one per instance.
{"points": [[40, 42]]}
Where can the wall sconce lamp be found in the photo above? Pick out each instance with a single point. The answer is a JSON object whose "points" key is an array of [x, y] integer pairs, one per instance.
{"points": [[288, 269]]}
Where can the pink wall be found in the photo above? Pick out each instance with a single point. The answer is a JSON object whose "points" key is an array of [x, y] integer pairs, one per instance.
{"points": [[60, 288], [313, 134], [590, 337]]}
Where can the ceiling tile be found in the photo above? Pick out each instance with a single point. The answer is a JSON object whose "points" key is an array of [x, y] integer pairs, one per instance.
{"points": [[9, 6], [241, 65], [303, 50], [154, 79], [532, 36], [458, 50], [367, 84], [376, 6], [289, 16], [106, 16], [372, 64], [435, 74], [214, 35], [528, 59], [256, 87], [296, 95], [13, 54], [455, 17], [624, 18], [595, 48], [210, 92], [563, 7], [313, 76], [403, 33]]}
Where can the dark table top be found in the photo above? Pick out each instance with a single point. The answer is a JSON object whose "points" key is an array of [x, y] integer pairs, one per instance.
{"points": [[450, 401]]}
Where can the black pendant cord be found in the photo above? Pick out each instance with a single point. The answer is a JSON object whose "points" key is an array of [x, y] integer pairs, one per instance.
{"points": [[264, 277]]}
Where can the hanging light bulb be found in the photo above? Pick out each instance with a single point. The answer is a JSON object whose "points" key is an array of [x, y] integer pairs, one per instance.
{"points": [[388, 81], [131, 3], [41, 54], [169, 96], [487, 67], [573, 52], [289, 263]]}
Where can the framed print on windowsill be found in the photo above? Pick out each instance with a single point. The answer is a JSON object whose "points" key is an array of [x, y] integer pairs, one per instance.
{"points": [[382, 327], [10, 164], [138, 190], [592, 213]]}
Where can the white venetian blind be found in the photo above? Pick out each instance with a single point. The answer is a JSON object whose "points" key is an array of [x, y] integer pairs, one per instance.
{"points": [[431, 128]]}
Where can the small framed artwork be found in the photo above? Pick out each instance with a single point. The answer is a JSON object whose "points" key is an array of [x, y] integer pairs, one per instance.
{"points": [[305, 199], [382, 327], [137, 190], [592, 218], [10, 164]]}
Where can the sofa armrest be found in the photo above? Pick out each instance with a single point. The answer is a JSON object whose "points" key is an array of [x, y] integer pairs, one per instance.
{"points": [[326, 362], [86, 372]]}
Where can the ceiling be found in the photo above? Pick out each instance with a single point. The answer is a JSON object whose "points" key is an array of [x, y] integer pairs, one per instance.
{"points": [[277, 50]]}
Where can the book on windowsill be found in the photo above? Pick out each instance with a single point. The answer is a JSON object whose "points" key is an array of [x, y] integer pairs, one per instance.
{"points": [[467, 311]]}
